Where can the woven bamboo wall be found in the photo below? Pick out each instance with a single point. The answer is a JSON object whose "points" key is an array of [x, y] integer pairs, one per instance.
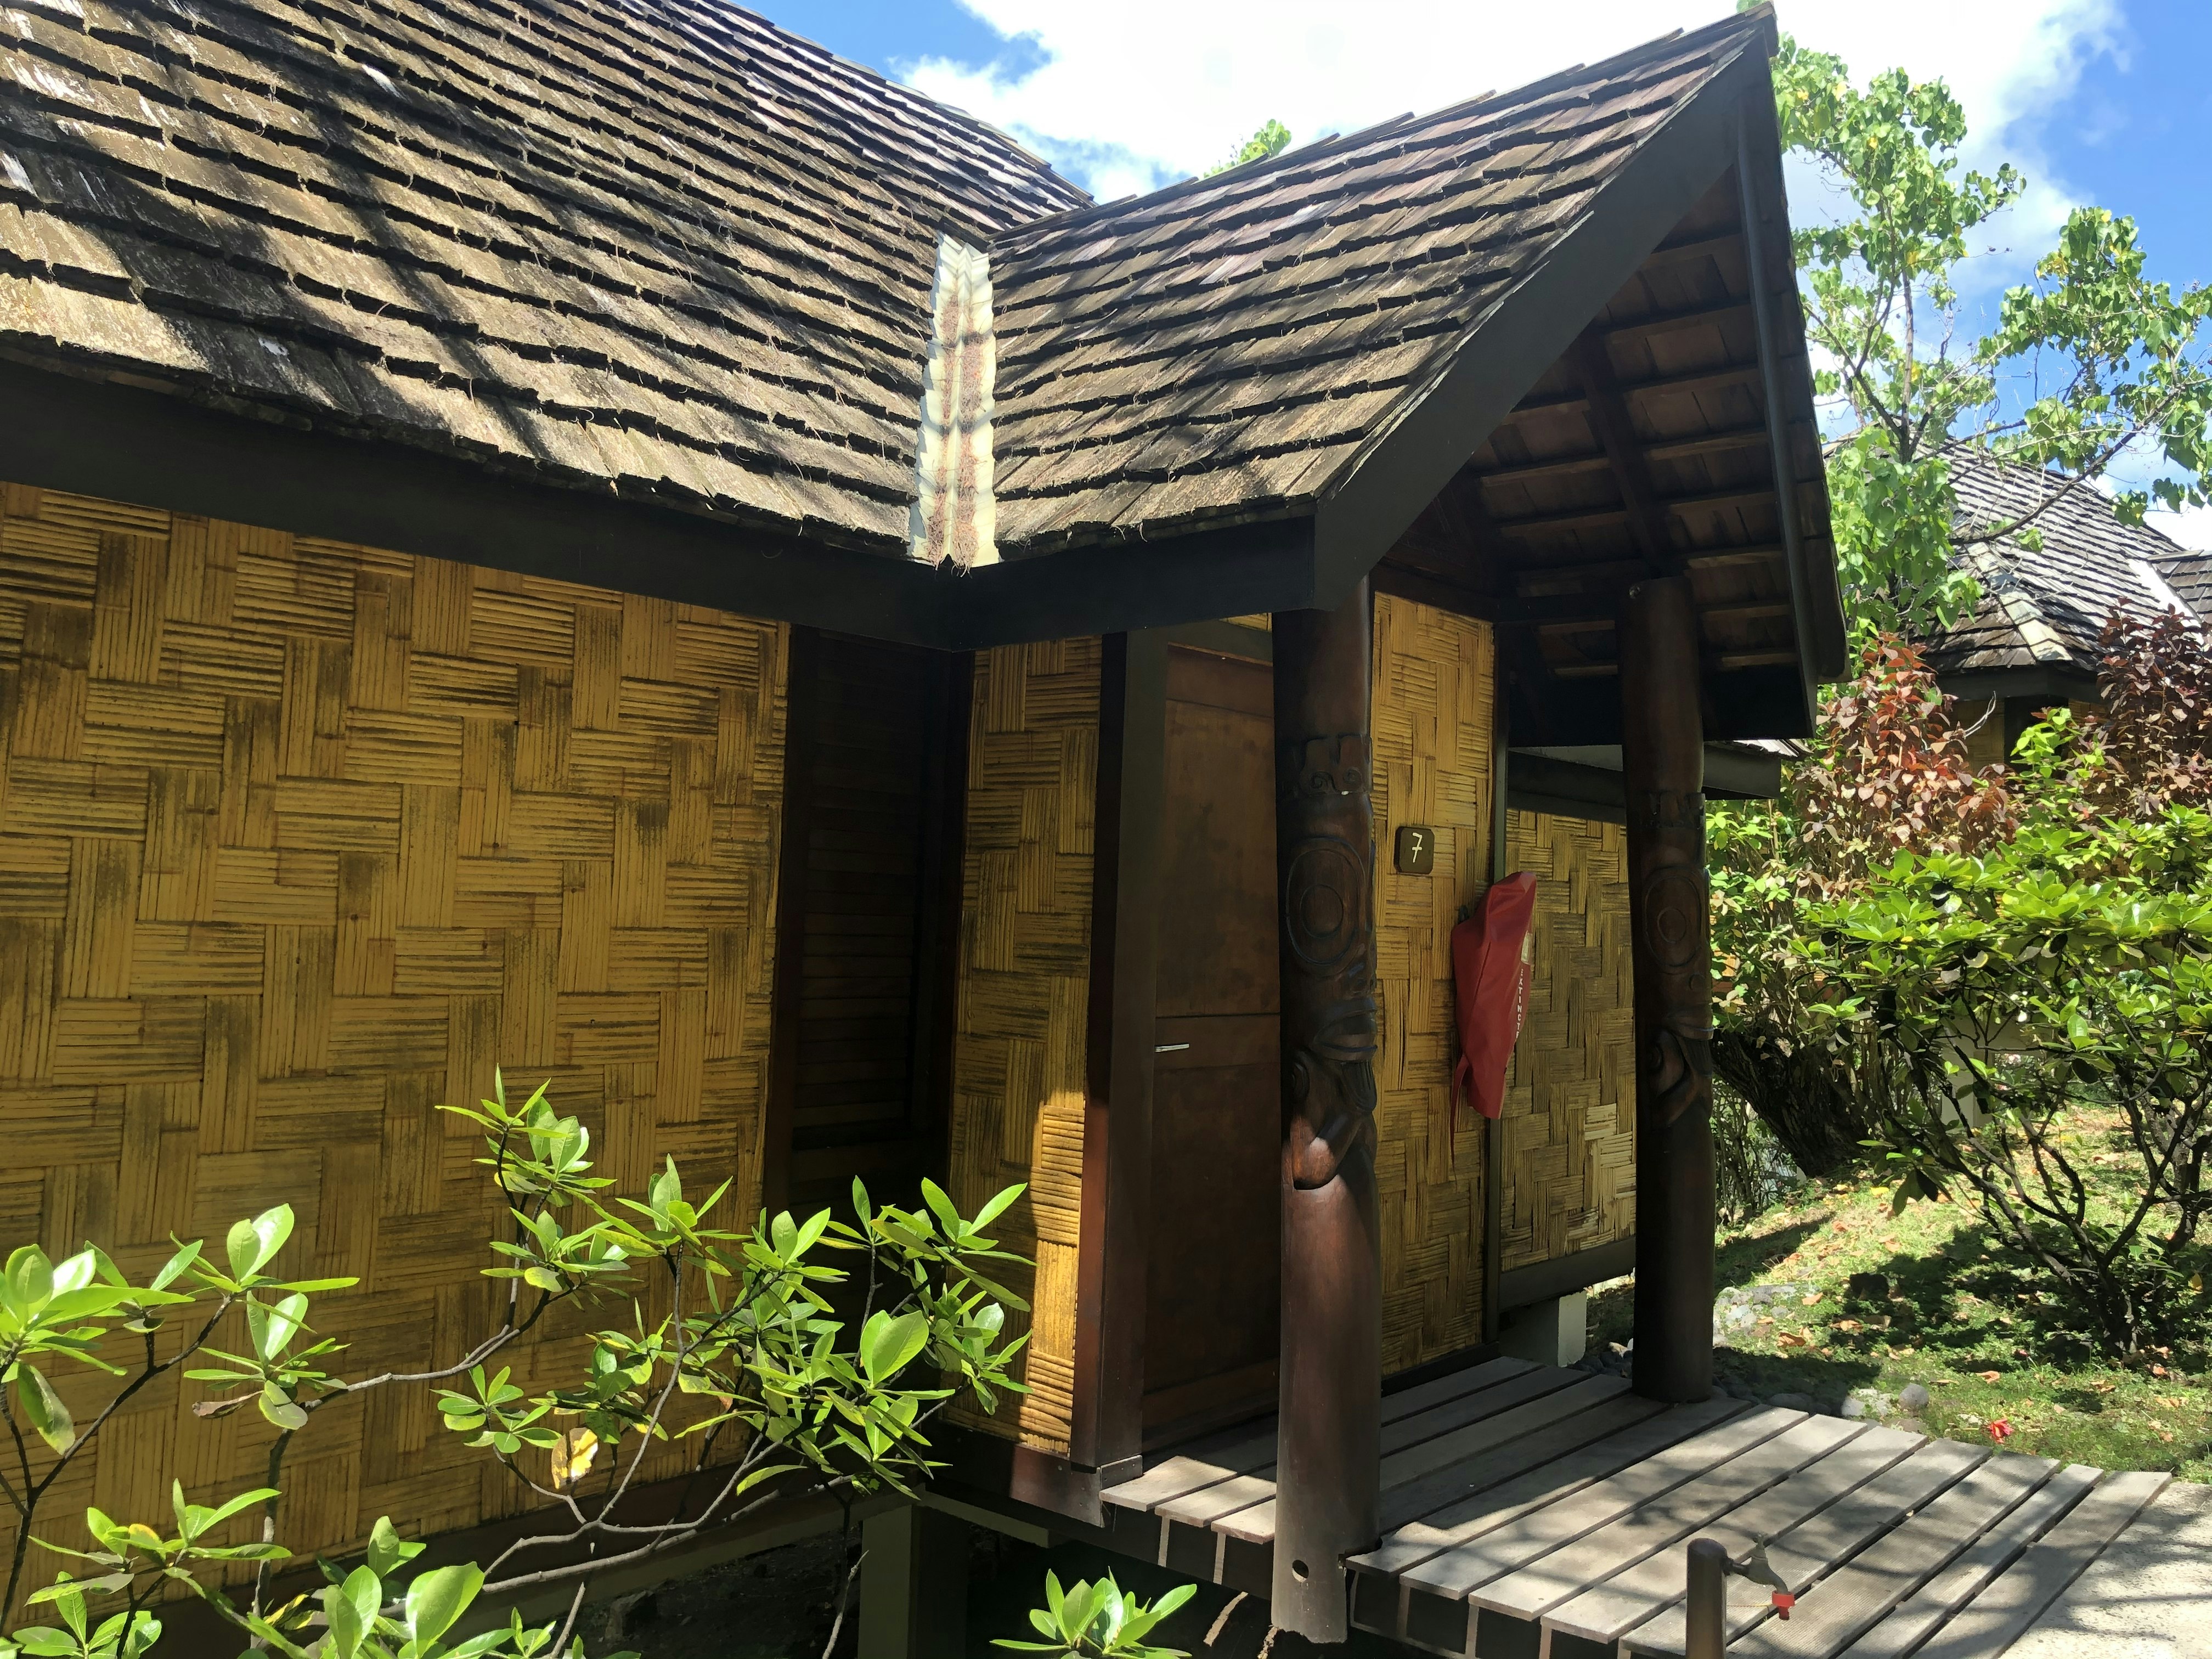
{"points": [[298, 840], [1433, 733], [1024, 986], [1570, 1119]]}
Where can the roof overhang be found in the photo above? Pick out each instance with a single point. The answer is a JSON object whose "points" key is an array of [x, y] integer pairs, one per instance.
{"points": [[2053, 682], [1587, 782], [100, 438]]}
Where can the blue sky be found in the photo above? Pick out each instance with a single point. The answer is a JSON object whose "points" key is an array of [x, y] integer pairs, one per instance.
{"points": [[2107, 102]]}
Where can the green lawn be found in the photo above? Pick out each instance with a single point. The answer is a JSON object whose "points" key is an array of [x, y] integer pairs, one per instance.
{"points": [[1958, 1320]]}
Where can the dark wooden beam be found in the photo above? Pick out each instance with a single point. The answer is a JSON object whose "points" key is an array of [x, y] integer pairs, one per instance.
{"points": [[1702, 380], [1609, 421], [1733, 442], [1622, 572], [1590, 517], [1328, 1465], [1666, 321], [794, 825], [1662, 761], [1683, 252]]}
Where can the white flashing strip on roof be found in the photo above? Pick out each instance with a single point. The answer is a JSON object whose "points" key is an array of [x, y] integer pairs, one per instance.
{"points": [[955, 516], [2021, 610], [2162, 593]]}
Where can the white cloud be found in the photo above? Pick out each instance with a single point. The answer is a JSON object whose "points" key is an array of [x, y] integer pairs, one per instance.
{"points": [[1138, 93], [2191, 527]]}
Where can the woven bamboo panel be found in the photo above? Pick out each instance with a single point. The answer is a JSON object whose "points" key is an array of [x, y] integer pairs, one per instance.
{"points": [[1570, 1120], [298, 840], [1433, 733], [1024, 988]]}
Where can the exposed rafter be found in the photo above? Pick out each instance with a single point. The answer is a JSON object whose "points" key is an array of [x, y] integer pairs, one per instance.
{"points": [[1610, 424]]}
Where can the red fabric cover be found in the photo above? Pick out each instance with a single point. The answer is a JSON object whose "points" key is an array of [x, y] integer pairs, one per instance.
{"points": [[1492, 969]]}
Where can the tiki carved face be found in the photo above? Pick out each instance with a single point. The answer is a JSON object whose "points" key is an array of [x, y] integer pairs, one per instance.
{"points": [[1325, 824]]}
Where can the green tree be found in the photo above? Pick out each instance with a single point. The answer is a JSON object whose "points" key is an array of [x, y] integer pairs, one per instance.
{"points": [[1271, 140], [2088, 362]]}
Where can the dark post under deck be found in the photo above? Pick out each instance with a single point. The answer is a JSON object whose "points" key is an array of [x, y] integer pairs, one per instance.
{"points": [[1662, 759], [1328, 1468]]}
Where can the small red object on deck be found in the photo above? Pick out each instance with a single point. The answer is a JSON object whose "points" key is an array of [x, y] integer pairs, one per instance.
{"points": [[1784, 1600]]}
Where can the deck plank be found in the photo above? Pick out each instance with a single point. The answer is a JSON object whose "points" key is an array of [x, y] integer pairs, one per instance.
{"points": [[2149, 1593], [1208, 1504], [1901, 1631], [1534, 1589], [1487, 1492], [1832, 1613], [1830, 1534], [1608, 1610], [1484, 1433], [1422, 1427], [1439, 1391], [1500, 1549], [1243, 1508], [2012, 1601], [1217, 1458], [1550, 1429]]}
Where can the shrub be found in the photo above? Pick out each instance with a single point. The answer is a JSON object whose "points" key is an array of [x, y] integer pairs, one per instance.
{"points": [[729, 1340], [1888, 772]]}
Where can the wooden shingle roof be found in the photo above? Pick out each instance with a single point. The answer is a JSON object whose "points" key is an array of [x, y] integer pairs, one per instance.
{"points": [[2045, 597], [665, 248], [1232, 348], [638, 293]]}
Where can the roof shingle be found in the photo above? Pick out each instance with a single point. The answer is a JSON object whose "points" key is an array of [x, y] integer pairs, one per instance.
{"points": [[2045, 604]]}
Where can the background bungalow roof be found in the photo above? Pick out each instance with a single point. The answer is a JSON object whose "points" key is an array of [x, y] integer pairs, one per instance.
{"points": [[2043, 605], [672, 252]]}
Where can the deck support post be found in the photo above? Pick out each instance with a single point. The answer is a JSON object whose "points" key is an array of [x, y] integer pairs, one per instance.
{"points": [[1662, 760], [914, 1585], [1328, 1465]]}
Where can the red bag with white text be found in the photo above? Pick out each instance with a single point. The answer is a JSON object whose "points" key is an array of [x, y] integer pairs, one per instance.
{"points": [[1492, 967]]}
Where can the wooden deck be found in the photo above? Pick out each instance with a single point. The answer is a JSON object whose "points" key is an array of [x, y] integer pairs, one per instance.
{"points": [[1534, 1513]]}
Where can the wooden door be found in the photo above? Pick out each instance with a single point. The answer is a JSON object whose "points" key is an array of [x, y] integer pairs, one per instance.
{"points": [[1214, 1270]]}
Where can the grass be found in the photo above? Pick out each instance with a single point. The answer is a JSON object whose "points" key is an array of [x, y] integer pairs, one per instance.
{"points": [[1959, 1320]]}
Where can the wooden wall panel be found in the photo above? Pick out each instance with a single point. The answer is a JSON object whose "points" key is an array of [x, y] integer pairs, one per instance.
{"points": [[1024, 989], [1570, 1120], [1433, 730], [298, 840]]}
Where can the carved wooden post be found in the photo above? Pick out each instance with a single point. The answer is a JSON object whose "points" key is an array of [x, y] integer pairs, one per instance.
{"points": [[1328, 1464], [1663, 754]]}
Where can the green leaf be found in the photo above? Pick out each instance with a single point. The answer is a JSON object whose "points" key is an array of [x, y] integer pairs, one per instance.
{"points": [[387, 1549], [998, 1206], [43, 1407], [351, 1609], [886, 1347], [948, 1214], [273, 1327], [438, 1598], [252, 1244]]}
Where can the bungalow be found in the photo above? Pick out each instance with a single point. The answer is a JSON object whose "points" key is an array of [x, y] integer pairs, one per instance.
{"points": [[607, 541], [2065, 563]]}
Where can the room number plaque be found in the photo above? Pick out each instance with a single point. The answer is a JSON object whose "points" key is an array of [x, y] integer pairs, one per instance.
{"points": [[1417, 849]]}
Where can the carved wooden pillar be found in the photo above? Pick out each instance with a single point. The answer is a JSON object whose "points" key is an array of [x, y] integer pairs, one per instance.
{"points": [[1663, 754], [1328, 1466]]}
